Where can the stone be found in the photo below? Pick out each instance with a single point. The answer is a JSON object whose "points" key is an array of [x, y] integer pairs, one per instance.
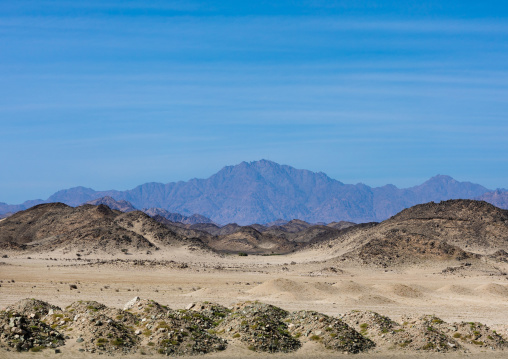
{"points": [[190, 306], [17, 330], [131, 303]]}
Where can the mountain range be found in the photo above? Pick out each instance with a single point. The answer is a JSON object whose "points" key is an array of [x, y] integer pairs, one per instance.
{"points": [[264, 191]]}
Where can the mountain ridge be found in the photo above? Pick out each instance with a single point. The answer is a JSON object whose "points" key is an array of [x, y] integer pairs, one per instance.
{"points": [[264, 191]]}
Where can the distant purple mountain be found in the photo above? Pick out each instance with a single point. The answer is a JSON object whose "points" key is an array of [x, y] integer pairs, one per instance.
{"points": [[264, 191], [498, 198]]}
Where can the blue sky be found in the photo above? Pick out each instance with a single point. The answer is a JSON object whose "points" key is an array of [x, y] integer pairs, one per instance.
{"points": [[113, 94]]}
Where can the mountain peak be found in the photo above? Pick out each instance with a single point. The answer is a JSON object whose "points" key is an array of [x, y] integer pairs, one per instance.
{"points": [[262, 191], [442, 178]]}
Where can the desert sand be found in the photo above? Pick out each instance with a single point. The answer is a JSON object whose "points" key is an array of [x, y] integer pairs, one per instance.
{"points": [[293, 282]]}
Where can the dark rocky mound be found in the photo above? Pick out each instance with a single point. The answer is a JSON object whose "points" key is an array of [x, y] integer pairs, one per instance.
{"points": [[147, 327], [260, 327], [175, 332], [293, 226], [458, 209], [24, 332], [401, 247], [315, 233], [249, 240], [186, 230], [427, 333], [470, 225], [30, 306], [122, 205], [331, 332]]}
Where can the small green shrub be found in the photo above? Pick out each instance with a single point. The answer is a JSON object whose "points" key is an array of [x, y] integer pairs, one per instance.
{"points": [[117, 342], [429, 346]]}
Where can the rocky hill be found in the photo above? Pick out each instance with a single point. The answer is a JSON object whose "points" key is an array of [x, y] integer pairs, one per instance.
{"points": [[264, 191], [96, 229], [248, 240], [254, 239], [87, 229], [453, 230]]}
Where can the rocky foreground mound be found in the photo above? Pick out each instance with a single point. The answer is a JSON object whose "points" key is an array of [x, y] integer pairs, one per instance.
{"points": [[147, 327]]}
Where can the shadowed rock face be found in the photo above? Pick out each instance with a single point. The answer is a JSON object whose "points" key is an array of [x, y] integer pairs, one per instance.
{"points": [[264, 191]]}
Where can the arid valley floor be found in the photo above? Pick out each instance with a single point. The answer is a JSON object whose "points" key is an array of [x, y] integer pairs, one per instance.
{"points": [[471, 295], [457, 292]]}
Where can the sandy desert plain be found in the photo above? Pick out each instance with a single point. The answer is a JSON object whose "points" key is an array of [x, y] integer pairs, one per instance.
{"points": [[314, 279]]}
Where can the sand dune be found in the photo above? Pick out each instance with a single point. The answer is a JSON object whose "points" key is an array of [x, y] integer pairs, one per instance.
{"points": [[455, 289], [291, 289], [351, 287], [495, 289], [369, 299], [401, 290]]}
